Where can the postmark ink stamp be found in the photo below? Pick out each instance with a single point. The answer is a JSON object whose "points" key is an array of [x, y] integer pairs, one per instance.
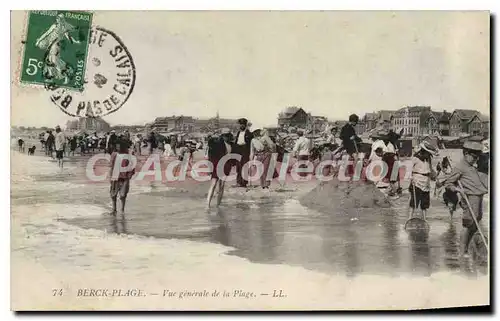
{"points": [[109, 82], [56, 48]]}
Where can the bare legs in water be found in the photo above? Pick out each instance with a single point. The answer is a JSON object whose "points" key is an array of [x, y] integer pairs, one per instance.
{"points": [[211, 191]]}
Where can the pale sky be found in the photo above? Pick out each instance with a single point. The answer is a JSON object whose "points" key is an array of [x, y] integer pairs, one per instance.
{"points": [[254, 64]]}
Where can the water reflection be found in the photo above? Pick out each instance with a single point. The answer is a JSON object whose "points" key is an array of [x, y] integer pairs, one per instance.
{"points": [[391, 243], [351, 253], [250, 229], [420, 251], [451, 247], [119, 224]]}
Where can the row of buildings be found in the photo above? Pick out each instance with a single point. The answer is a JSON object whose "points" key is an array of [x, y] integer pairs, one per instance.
{"points": [[88, 124], [190, 124], [160, 124], [413, 120]]}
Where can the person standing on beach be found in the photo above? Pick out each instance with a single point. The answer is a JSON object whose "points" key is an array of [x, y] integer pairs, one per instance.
{"points": [[60, 142], [301, 150], [242, 148], [137, 144], [474, 187], [111, 142], [261, 150], [120, 182], [350, 141], [49, 145], [73, 143], [393, 137], [422, 174], [153, 143], [20, 143], [44, 144], [389, 157], [218, 147]]}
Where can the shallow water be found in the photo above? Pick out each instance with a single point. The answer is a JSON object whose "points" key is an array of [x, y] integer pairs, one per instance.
{"points": [[269, 230]]}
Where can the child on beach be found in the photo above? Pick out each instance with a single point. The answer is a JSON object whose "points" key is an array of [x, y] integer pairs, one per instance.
{"points": [[422, 174], [475, 186], [120, 181]]}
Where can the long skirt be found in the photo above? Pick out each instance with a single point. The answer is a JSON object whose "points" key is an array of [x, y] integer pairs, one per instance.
{"points": [[265, 159], [390, 159]]}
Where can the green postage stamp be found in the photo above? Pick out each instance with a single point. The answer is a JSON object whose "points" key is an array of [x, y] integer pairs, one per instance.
{"points": [[56, 48]]}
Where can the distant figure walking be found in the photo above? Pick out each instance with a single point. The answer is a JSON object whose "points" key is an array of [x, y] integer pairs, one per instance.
{"points": [[49, 144], [60, 143], [20, 144]]}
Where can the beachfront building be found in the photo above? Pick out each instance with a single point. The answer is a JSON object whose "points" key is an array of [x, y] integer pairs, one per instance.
{"points": [[360, 128], [436, 123], [411, 119], [72, 125], [459, 121], [131, 128], [486, 126], [89, 124], [172, 123], [370, 120], [474, 125], [317, 123], [293, 117], [384, 119]]}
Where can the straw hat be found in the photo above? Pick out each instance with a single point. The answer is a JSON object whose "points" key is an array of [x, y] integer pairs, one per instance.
{"points": [[429, 148], [225, 131], [473, 146]]}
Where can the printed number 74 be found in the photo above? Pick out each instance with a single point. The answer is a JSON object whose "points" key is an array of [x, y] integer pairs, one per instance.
{"points": [[57, 292]]}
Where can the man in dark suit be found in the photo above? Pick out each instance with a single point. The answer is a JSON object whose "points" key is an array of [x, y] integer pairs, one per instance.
{"points": [[242, 147]]}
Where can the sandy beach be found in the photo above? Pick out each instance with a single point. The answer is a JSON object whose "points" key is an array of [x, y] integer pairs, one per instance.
{"points": [[49, 254]]}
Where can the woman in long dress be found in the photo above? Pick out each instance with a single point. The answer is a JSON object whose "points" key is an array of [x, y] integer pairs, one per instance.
{"points": [[218, 147]]}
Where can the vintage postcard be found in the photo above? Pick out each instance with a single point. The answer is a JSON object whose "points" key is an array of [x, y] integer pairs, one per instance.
{"points": [[250, 160]]}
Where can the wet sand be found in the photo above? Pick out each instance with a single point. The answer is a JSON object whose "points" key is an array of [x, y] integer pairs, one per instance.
{"points": [[61, 235]]}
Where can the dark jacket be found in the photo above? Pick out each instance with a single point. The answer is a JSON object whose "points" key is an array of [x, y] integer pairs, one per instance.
{"points": [[345, 135], [483, 163], [216, 149], [248, 138]]}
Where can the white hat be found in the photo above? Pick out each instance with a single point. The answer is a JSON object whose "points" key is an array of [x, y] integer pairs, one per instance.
{"points": [[429, 148], [473, 146]]}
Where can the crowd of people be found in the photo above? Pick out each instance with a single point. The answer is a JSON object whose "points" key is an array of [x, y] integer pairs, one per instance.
{"points": [[463, 185]]}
